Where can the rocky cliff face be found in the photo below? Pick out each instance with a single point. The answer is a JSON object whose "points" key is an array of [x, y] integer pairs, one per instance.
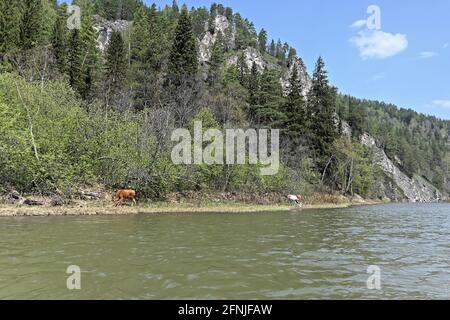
{"points": [[105, 28], [221, 26], [298, 64], [251, 55], [415, 189]]}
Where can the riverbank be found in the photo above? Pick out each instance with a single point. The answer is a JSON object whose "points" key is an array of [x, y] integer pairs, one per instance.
{"points": [[93, 208]]}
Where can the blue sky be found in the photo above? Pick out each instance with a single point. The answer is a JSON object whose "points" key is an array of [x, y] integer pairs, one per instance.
{"points": [[406, 62]]}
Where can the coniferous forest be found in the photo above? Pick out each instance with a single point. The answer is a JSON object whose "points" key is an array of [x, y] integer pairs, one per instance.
{"points": [[76, 113]]}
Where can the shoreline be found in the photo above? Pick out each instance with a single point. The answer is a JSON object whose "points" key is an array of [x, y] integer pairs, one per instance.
{"points": [[93, 208]]}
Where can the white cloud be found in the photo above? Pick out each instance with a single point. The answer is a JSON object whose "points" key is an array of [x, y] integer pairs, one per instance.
{"points": [[445, 46], [358, 24], [377, 44], [442, 103], [428, 54], [378, 76]]}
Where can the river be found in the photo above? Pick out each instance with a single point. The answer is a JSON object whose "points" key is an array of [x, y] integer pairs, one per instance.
{"points": [[311, 254]]}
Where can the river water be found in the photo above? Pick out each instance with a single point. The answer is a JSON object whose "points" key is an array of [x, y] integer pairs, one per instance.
{"points": [[311, 254]]}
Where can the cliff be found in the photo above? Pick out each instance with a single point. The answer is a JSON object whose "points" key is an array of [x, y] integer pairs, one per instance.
{"points": [[415, 189]]}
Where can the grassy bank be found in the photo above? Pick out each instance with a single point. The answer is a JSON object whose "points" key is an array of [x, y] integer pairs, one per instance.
{"points": [[91, 208]]}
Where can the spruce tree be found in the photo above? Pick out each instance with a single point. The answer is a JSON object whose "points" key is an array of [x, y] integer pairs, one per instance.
{"points": [[88, 49], [262, 41], [140, 34], [75, 60], [183, 56], [294, 109], [321, 113], [175, 8], [10, 25], [229, 14], [32, 22], [59, 42], [242, 70], [116, 63], [212, 18], [279, 53], [272, 49], [216, 60], [115, 66], [155, 55], [253, 91], [292, 54], [271, 100]]}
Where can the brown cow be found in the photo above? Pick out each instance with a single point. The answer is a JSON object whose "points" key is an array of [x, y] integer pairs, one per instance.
{"points": [[124, 194]]}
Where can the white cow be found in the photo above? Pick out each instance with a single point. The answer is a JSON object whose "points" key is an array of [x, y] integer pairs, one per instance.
{"points": [[295, 200]]}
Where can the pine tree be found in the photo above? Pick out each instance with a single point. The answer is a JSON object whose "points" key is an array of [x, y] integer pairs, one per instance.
{"points": [[10, 25], [262, 41], [183, 56], [321, 112]]}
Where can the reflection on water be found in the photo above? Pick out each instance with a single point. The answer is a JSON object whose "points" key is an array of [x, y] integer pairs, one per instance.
{"points": [[316, 254]]}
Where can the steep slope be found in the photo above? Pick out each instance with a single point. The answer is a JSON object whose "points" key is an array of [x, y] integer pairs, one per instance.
{"points": [[415, 189]]}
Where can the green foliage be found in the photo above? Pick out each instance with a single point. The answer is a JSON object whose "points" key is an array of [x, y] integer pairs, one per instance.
{"points": [[10, 25], [116, 9], [50, 120], [245, 33]]}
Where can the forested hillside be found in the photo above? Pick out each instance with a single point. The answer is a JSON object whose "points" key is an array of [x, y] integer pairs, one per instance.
{"points": [[73, 114]]}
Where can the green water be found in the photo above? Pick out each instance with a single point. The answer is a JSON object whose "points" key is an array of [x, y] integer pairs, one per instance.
{"points": [[317, 254]]}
